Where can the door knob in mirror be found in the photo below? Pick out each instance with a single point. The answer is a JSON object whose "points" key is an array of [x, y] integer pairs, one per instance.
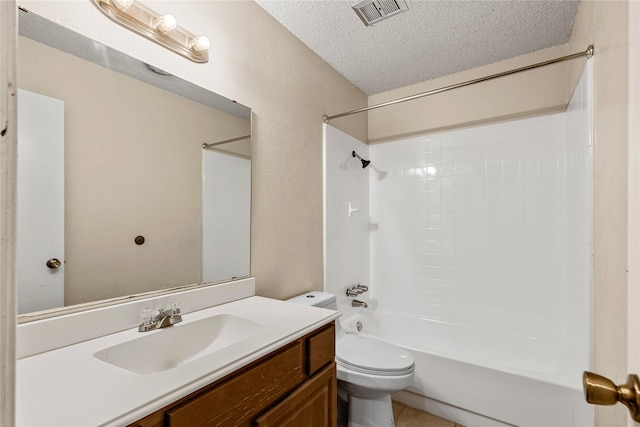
{"points": [[54, 263], [600, 390]]}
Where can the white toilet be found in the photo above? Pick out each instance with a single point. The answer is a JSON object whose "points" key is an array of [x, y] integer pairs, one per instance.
{"points": [[369, 370]]}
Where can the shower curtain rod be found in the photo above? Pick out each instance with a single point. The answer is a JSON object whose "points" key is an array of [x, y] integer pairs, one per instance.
{"points": [[213, 144], [588, 53]]}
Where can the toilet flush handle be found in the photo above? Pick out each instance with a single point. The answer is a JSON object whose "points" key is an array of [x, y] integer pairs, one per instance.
{"points": [[599, 390]]}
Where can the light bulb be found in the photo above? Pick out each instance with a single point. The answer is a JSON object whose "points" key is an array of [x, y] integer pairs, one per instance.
{"points": [[166, 23], [122, 4], [200, 43]]}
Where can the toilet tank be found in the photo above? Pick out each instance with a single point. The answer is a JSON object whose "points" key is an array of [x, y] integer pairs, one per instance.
{"points": [[316, 299]]}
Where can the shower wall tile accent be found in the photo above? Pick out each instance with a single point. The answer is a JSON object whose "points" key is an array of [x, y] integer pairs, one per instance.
{"points": [[489, 227], [346, 238]]}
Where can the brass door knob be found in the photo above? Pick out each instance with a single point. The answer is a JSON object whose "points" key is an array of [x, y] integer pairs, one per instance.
{"points": [[602, 391], [54, 263]]}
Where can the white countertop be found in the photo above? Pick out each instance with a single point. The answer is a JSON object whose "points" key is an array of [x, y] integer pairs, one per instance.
{"points": [[69, 387]]}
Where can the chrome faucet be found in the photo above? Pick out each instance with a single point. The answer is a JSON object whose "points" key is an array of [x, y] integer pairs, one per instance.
{"points": [[353, 292], [358, 303], [159, 318], [356, 290]]}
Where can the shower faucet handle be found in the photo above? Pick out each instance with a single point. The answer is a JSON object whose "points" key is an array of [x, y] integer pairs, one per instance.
{"points": [[356, 290], [353, 292]]}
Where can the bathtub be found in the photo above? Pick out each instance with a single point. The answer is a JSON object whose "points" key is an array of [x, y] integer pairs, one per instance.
{"points": [[481, 378]]}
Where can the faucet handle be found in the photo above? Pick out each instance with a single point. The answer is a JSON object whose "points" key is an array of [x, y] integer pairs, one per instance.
{"points": [[172, 308], [353, 292], [146, 316], [364, 288]]}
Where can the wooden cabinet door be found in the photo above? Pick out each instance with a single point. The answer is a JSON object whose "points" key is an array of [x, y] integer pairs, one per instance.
{"points": [[238, 400], [313, 404]]}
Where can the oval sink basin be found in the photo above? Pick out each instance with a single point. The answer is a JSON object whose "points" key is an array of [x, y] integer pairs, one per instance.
{"points": [[170, 347]]}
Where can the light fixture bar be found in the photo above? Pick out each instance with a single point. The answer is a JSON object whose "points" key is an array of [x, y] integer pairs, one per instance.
{"points": [[162, 29]]}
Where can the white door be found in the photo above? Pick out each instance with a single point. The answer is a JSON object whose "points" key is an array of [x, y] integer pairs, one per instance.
{"points": [[40, 231], [226, 215]]}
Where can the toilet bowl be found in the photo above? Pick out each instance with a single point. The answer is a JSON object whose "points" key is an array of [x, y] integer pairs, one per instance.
{"points": [[368, 370]]}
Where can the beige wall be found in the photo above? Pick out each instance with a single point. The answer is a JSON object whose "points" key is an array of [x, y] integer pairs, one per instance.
{"points": [[8, 157], [255, 61], [132, 167], [606, 25], [633, 315], [534, 92]]}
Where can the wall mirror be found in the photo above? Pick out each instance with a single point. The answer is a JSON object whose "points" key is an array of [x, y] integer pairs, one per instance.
{"points": [[130, 180]]}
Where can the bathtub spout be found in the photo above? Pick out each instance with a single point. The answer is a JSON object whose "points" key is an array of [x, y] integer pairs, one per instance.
{"points": [[358, 303]]}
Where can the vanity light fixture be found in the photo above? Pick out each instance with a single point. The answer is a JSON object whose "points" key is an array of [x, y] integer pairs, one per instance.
{"points": [[122, 4], [162, 29], [166, 23]]}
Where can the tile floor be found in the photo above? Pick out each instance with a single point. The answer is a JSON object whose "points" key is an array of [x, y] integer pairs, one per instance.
{"points": [[406, 416]]}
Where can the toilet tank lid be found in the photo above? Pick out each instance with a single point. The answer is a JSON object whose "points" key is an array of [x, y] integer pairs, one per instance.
{"points": [[314, 298]]}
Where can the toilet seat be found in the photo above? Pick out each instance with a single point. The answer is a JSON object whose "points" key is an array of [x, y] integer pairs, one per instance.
{"points": [[373, 357]]}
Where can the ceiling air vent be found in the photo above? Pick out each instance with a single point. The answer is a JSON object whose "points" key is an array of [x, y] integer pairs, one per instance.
{"points": [[375, 11]]}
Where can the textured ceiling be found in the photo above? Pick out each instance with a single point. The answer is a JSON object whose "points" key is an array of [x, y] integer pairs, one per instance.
{"points": [[432, 39]]}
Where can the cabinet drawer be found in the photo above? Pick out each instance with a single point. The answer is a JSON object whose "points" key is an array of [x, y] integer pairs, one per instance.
{"points": [[320, 349], [237, 400]]}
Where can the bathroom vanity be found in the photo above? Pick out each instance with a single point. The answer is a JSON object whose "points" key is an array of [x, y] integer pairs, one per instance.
{"points": [[245, 361], [234, 358], [294, 383]]}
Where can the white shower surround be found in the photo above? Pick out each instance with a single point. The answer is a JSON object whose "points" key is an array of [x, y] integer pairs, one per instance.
{"points": [[485, 231]]}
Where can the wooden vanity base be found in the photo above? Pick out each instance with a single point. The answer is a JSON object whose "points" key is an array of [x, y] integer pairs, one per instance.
{"points": [[293, 386]]}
